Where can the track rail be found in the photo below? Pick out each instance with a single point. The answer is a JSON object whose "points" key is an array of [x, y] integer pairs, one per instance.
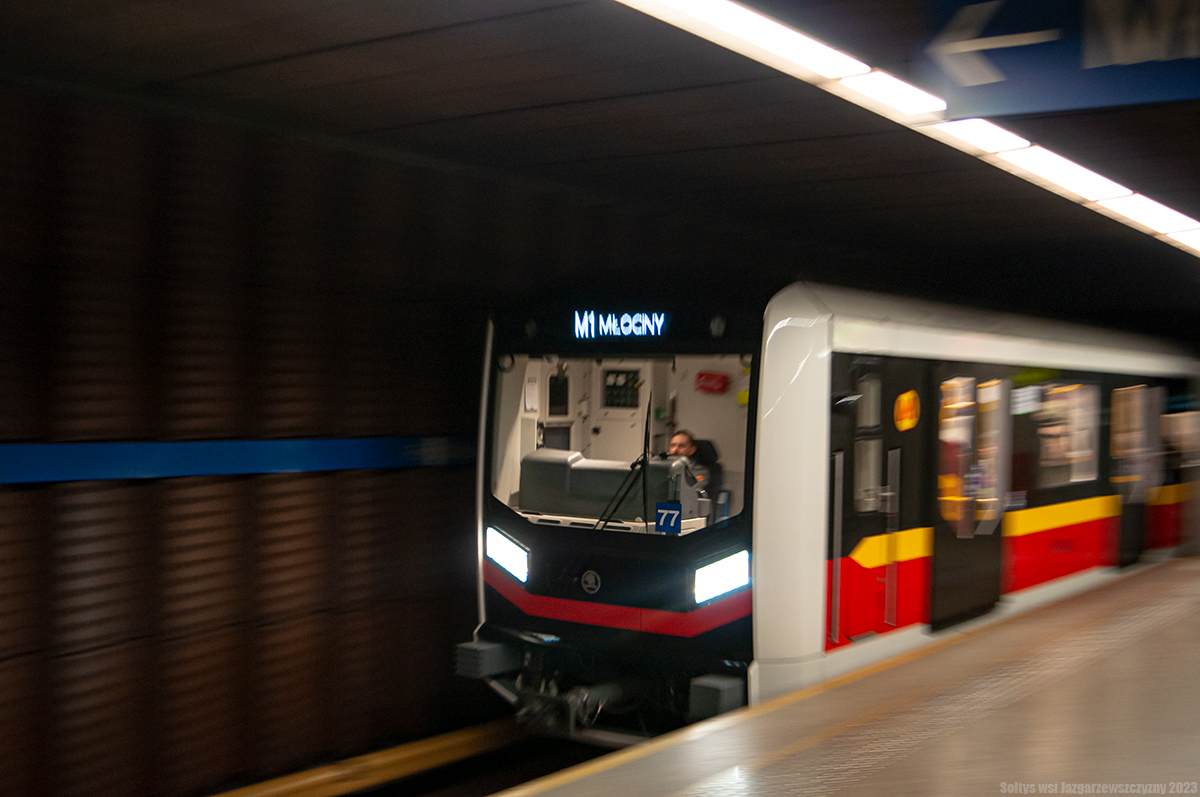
{"points": [[375, 769]]}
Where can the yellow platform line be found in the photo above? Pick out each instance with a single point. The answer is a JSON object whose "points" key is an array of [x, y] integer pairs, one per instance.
{"points": [[374, 769]]}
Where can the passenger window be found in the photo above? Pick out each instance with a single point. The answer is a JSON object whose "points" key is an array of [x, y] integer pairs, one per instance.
{"points": [[956, 441], [1127, 414], [985, 474], [868, 405], [1067, 421], [868, 458], [868, 446]]}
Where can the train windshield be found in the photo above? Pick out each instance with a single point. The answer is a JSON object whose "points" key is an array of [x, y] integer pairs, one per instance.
{"points": [[569, 437]]}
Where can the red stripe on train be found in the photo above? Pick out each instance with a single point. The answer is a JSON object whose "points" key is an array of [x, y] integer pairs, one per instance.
{"points": [[1164, 523], [863, 601], [683, 624], [1032, 559]]}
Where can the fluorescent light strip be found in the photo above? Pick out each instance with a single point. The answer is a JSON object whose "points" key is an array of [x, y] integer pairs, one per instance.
{"points": [[895, 93], [1148, 213], [1190, 239], [762, 39], [1064, 173], [748, 32], [983, 135]]}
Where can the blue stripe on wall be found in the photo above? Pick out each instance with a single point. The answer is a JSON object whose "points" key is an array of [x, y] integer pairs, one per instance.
{"points": [[63, 462]]}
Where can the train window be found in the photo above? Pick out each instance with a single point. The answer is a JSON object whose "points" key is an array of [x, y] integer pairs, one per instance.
{"points": [[558, 388], [1067, 422], [868, 405], [1085, 434], [984, 476], [956, 441], [575, 458], [868, 447], [868, 467], [1127, 414]]}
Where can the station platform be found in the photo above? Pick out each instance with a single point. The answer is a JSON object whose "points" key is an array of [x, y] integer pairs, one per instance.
{"points": [[1097, 693]]}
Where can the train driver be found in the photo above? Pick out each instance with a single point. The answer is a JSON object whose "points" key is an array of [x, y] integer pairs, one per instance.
{"points": [[683, 444]]}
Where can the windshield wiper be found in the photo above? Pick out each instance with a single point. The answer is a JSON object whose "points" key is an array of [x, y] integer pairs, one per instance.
{"points": [[640, 465]]}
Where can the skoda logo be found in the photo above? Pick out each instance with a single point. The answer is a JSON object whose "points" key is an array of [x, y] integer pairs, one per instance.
{"points": [[590, 581]]}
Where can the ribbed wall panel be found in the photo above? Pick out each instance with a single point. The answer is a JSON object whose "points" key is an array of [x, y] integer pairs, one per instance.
{"points": [[411, 659], [361, 521], [438, 389], [203, 718], [172, 280], [368, 375], [365, 518], [200, 571], [23, 190], [366, 368], [205, 327], [426, 559], [105, 242], [98, 744], [418, 555], [291, 549], [293, 365], [205, 397], [380, 206], [431, 599], [22, 582], [514, 217], [24, 243], [21, 768], [98, 573], [290, 722], [18, 404], [357, 679], [291, 402]]}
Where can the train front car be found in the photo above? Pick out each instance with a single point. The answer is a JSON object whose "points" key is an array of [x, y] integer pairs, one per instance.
{"points": [[614, 551]]}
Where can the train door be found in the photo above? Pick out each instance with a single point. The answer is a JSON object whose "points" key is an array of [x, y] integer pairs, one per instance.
{"points": [[974, 438], [878, 555], [1136, 448]]}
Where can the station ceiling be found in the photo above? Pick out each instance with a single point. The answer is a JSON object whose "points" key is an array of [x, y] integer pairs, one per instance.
{"points": [[600, 99]]}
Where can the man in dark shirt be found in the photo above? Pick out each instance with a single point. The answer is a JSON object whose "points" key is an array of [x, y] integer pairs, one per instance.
{"points": [[683, 444]]}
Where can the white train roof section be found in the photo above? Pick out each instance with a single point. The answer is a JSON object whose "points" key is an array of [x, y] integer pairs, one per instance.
{"points": [[863, 322]]}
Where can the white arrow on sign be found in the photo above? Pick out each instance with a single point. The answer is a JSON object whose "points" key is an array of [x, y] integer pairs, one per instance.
{"points": [[956, 49]]}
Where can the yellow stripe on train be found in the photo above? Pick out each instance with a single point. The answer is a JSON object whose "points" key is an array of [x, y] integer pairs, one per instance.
{"points": [[909, 544], [1170, 494], [1030, 521], [915, 543]]}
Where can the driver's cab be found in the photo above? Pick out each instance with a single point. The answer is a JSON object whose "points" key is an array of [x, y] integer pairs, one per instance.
{"points": [[583, 441]]}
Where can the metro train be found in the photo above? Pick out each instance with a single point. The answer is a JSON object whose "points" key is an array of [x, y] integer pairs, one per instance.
{"points": [[878, 469]]}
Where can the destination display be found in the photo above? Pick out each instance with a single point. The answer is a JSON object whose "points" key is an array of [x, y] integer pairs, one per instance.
{"points": [[590, 324]]}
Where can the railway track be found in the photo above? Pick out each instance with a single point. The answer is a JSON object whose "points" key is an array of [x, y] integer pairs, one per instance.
{"points": [[471, 762]]}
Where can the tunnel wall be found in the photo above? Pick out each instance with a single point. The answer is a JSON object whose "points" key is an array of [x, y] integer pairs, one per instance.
{"points": [[172, 278]]}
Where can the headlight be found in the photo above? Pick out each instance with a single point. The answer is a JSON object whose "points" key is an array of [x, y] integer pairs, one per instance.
{"points": [[722, 576], [506, 553]]}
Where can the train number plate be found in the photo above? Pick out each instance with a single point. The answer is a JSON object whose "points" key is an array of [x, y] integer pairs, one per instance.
{"points": [[667, 517]]}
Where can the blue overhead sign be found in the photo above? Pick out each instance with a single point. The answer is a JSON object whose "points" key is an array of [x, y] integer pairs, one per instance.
{"points": [[1028, 56]]}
